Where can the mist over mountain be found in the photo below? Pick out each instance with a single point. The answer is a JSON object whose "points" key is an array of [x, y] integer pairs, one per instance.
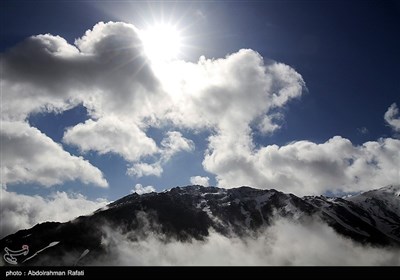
{"points": [[197, 225]]}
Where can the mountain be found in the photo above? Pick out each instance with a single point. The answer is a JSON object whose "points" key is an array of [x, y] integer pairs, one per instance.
{"points": [[186, 213]]}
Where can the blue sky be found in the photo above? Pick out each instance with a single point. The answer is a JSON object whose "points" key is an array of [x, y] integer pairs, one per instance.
{"points": [[346, 53]]}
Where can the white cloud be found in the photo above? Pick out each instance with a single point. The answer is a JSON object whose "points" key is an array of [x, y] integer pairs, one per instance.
{"points": [[266, 124], [145, 169], [227, 94], [199, 180], [20, 211], [283, 243], [304, 167], [139, 189], [106, 70], [29, 156], [174, 143], [392, 117], [124, 83], [111, 134]]}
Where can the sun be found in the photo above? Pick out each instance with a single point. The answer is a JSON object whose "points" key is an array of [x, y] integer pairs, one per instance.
{"points": [[161, 42]]}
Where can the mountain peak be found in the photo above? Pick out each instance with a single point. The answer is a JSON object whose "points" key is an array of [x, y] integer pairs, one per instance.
{"points": [[390, 190]]}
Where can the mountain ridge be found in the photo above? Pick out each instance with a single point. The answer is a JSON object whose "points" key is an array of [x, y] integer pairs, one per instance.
{"points": [[191, 212]]}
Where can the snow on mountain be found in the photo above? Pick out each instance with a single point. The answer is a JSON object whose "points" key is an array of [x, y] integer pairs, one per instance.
{"points": [[389, 196], [383, 205]]}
